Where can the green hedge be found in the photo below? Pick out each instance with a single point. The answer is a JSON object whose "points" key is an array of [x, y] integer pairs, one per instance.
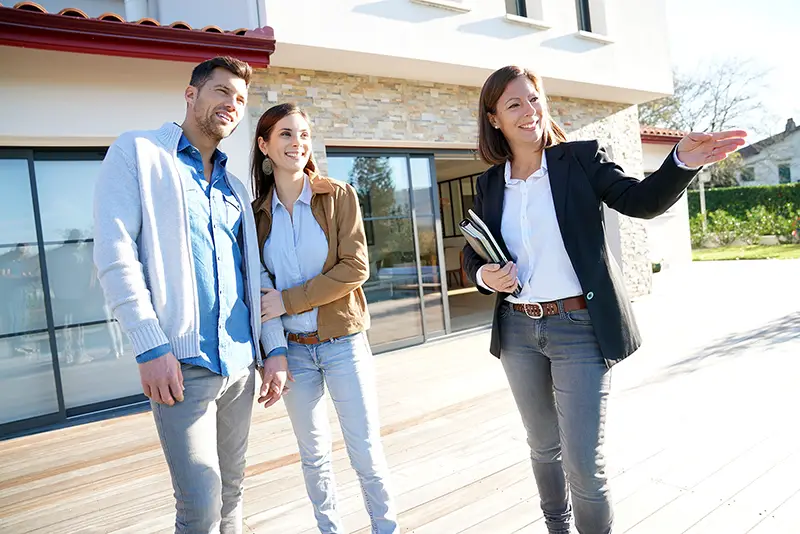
{"points": [[737, 200]]}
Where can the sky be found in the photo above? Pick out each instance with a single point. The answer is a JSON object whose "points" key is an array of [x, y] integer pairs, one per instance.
{"points": [[765, 31]]}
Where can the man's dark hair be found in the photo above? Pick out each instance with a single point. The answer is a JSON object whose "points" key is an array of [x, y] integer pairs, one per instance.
{"points": [[202, 72]]}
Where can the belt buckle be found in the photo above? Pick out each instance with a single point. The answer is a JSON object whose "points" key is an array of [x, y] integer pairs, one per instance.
{"points": [[534, 310]]}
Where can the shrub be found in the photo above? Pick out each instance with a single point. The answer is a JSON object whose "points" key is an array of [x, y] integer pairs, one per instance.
{"points": [[726, 228], [698, 235], [738, 200], [764, 222]]}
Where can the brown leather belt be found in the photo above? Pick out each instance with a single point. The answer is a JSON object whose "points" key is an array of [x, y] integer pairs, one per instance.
{"points": [[537, 310], [311, 338]]}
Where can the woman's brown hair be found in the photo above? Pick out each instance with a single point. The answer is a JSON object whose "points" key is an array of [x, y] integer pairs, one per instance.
{"points": [[263, 183], [492, 144]]}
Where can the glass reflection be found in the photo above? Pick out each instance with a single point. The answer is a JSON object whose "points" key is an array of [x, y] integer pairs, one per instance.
{"points": [[97, 364], [392, 291]]}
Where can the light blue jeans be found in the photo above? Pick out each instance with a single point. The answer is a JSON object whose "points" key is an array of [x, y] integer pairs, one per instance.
{"points": [[560, 383], [346, 366], [205, 441]]}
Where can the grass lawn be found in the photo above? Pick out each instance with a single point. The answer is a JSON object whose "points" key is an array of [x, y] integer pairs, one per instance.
{"points": [[753, 252]]}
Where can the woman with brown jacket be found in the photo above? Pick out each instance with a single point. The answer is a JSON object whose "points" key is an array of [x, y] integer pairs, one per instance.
{"points": [[313, 245]]}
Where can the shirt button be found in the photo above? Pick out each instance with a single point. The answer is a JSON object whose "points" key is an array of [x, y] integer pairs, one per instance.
{"points": [[589, 295]]}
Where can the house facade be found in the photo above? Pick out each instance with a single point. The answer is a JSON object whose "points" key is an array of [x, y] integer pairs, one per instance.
{"points": [[391, 88], [774, 160]]}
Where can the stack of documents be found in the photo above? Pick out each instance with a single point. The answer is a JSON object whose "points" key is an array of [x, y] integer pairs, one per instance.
{"points": [[483, 242]]}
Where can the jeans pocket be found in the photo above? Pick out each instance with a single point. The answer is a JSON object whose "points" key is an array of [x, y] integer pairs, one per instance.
{"points": [[505, 310], [580, 317], [345, 339]]}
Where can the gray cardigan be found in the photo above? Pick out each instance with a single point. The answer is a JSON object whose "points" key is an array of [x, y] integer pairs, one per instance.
{"points": [[142, 247]]}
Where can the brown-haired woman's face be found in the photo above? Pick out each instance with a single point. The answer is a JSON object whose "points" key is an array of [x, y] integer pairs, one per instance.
{"points": [[289, 143], [519, 113]]}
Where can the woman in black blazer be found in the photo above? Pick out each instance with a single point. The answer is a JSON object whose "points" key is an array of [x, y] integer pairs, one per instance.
{"points": [[571, 320]]}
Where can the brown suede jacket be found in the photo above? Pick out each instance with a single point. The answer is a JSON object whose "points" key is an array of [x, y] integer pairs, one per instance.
{"points": [[337, 290]]}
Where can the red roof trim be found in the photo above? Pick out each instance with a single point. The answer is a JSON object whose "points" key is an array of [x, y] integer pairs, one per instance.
{"points": [[28, 27], [662, 136], [661, 139]]}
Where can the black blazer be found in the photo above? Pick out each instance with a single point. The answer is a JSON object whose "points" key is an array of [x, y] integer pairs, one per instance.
{"points": [[581, 178]]}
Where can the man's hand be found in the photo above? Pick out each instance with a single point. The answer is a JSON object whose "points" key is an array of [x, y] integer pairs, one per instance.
{"points": [[162, 380], [271, 304], [274, 376], [501, 280]]}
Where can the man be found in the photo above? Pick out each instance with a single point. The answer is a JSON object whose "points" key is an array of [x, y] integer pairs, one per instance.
{"points": [[177, 256]]}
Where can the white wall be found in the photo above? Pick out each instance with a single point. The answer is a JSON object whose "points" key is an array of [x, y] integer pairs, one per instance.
{"points": [[228, 15], [65, 99], [93, 8], [402, 38], [668, 235], [765, 164]]}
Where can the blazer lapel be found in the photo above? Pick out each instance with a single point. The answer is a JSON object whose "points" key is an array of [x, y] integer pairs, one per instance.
{"points": [[558, 169]]}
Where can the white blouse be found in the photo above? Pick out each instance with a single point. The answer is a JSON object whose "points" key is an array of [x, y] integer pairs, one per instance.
{"points": [[530, 230]]}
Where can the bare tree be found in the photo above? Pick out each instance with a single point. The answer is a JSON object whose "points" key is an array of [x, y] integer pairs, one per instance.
{"points": [[723, 95]]}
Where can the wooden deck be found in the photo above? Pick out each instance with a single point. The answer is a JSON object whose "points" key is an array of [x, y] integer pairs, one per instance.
{"points": [[702, 438]]}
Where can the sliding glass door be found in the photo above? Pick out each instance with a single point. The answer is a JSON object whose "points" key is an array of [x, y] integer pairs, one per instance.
{"points": [[404, 292], [61, 353]]}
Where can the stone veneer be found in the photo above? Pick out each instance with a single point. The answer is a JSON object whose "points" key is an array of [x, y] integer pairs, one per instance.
{"points": [[348, 106]]}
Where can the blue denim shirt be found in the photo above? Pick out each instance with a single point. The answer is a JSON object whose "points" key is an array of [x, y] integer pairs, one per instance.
{"points": [[295, 252], [215, 219]]}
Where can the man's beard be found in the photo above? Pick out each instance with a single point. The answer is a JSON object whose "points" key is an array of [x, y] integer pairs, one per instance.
{"points": [[211, 127]]}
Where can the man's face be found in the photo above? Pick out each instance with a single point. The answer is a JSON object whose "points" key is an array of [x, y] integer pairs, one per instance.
{"points": [[219, 105]]}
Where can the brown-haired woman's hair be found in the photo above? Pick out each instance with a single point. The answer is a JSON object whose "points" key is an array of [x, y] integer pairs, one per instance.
{"points": [[492, 144], [262, 183]]}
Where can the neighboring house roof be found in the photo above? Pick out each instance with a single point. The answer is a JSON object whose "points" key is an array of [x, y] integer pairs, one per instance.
{"points": [[29, 25], [666, 136], [756, 148]]}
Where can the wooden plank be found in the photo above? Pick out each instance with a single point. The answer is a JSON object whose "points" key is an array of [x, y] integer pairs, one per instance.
{"points": [[722, 484], [748, 507], [785, 518]]}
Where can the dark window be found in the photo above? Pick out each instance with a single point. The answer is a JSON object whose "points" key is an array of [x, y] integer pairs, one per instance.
{"points": [[784, 174], [456, 197], [584, 17], [516, 7]]}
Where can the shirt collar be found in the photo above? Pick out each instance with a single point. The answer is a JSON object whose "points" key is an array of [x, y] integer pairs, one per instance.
{"points": [[537, 174], [218, 157], [305, 194]]}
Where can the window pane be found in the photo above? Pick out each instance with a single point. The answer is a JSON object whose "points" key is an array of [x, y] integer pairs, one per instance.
{"points": [[784, 174], [27, 382], [392, 289], [22, 303], [431, 281], [455, 194], [421, 183], [76, 293], [97, 364], [467, 195], [584, 17], [516, 7], [16, 204], [447, 209], [381, 182], [66, 193]]}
